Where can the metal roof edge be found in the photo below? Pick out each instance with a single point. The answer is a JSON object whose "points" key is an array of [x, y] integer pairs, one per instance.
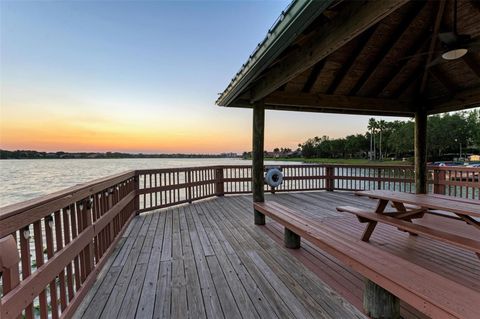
{"points": [[293, 21]]}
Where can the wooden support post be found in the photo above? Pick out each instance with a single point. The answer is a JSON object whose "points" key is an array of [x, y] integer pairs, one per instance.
{"points": [[291, 240], [439, 178], [219, 188], [136, 201], [330, 178], [379, 180], [257, 158], [189, 188], [421, 151], [379, 303]]}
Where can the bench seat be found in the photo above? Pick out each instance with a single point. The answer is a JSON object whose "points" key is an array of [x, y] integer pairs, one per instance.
{"points": [[444, 213], [450, 238], [430, 293]]}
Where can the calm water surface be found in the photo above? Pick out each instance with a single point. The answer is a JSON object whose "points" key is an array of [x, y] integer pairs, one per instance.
{"points": [[26, 179]]}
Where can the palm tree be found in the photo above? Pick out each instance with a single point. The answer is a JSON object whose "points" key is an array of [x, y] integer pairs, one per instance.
{"points": [[382, 125], [372, 127]]}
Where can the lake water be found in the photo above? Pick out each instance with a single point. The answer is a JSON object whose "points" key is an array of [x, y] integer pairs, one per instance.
{"points": [[26, 179]]}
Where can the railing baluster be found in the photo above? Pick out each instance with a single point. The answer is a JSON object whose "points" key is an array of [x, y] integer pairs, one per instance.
{"points": [[26, 261], [48, 223], [38, 237], [61, 276]]}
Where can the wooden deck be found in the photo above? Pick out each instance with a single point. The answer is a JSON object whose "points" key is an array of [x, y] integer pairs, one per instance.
{"points": [[208, 260]]}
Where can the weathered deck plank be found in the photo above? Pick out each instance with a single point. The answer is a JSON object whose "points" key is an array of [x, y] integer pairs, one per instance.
{"points": [[209, 293], [208, 260], [146, 306]]}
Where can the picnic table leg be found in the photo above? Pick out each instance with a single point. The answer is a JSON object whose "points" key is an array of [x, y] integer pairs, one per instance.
{"points": [[379, 303], [402, 209], [369, 230], [382, 203]]}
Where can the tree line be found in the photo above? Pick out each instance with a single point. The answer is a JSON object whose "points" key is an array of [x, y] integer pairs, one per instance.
{"points": [[447, 136], [29, 154]]}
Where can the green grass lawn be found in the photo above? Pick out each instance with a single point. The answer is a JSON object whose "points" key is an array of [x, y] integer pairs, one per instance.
{"points": [[352, 161]]}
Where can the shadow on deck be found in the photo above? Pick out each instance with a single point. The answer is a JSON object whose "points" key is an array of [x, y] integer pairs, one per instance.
{"points": [[208, 260]]}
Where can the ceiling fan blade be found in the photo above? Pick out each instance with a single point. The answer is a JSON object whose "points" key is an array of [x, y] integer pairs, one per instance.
{"points": [[418, 55], [473, 44], [449, 38], [436, 61]]}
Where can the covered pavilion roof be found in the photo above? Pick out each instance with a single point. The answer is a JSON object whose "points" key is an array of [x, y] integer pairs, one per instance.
{"points": [[364, 57]]}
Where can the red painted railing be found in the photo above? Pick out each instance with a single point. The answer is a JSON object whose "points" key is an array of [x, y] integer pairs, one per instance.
{"points": [[53, 247]]}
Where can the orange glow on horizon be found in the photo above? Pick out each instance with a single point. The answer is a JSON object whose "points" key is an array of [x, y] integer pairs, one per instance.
{"points": [[62, 137]]}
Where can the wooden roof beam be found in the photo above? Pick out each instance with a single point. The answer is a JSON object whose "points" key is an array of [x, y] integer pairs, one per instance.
{"points": [[433, 43], [345, 69], [313, 76], [444, 80], [416, 48], [335, 111], [462, 100], [411, 79], [350, 22], [393, 39], [348, 103]]}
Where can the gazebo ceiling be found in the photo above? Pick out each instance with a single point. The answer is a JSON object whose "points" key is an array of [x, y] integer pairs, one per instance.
{"points": [[363, 57]]}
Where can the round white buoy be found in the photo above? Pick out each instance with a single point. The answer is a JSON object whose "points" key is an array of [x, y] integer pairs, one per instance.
{"points": [[274, 177]]}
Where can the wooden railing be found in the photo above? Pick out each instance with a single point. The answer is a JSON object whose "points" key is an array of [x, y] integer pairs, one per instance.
{"points": [[61, 241], [52, 248], [457, 181], [166, 187]]}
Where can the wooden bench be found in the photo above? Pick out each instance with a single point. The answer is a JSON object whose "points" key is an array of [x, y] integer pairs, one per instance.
{"points": [[389, 276], [365, 216]]}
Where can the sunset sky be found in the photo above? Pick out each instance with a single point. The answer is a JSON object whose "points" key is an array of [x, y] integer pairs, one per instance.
{"points": [[137, 76]]}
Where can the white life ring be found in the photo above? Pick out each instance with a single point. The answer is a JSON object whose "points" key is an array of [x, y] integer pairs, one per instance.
{"points": [[274, 177]]}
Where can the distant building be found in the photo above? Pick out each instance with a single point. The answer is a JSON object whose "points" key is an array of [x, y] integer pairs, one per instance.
{"points": [[229, 155]]}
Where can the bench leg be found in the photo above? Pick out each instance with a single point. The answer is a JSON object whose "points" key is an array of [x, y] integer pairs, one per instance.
{"points": [[291, 240], [379, 303], [369, 230], [259, 217]]}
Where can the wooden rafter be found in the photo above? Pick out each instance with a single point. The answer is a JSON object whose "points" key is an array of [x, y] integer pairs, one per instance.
{"points": [[349, 23], [415, 48], [475, 4], [393, 40], [433, 43], [444, 80], [345, 69], [410, 80], [326, 101], [312, 78], [472, 64]]}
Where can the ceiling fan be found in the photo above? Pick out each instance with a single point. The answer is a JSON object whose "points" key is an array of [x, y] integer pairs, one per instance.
{"points": [[454, 45]]}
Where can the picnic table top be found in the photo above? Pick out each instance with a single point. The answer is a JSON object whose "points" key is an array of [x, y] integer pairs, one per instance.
{"points": [[426, 201]]}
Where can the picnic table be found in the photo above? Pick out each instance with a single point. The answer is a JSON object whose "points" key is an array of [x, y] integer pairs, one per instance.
{"points": [[407, 207]]}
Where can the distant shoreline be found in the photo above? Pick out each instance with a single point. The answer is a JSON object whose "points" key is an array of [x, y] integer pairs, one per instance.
{"points": [[28, 154]]}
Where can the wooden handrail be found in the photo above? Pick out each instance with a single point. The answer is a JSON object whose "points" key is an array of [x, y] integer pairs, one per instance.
{"points": [[70, 235], [69, 194]]}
